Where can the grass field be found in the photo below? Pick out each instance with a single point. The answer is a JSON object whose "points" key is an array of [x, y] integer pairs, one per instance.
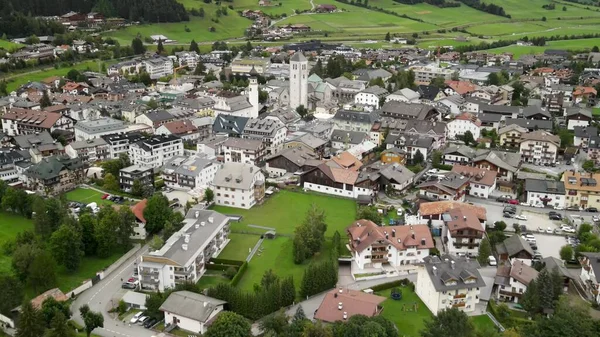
{"points": [[238, 247], [581, 44], [287, 6], [10, 225], [286, 209], [482, 322], [211, 278], [409, 323], [10, 46], [532, 9], [86, 196], [89, 266]]}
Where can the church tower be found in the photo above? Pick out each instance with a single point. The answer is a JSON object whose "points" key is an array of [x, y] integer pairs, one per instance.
{"points": [[253, 96], [298, 80]]}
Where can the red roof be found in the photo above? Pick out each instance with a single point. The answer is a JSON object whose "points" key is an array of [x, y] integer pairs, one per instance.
{"points": [[465, 116], [138, 210], [35, 118], [353, 302], [461, 87], [365, 232], [579, 91], [181, 127]]}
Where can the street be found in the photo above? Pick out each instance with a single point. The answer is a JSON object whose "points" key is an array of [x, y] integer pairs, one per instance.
{"points": [[99, 299]]}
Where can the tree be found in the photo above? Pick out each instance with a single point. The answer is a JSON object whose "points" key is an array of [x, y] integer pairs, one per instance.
{"points": [[22, 258], [310, 235], [194, 46], [160, 48], [436, 158], [468, 138], [569, 319], [52, 307], [485, 250], [302, 111], [589, 166], [137, 189], [544, 18], [45, 100], [59, 327], [125, 228], [566, 253], [209, 195], [229, 324], [31, 322], [11, 294], [42, 272], [106, 232], [595, 49], [317, 330], [92, 320], [418, 158], [3, 88], [138, 46], [438, 82], [88, 237], [500, 226], [369, 213], [387, 36], [111, 183], [449, 323], [66, 247], [157, 242], [157, 212], [275, 323]]}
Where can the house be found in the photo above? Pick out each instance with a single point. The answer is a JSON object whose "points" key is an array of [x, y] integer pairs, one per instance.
{"points": [[249, 151], [463, 123], [586, 95], [512, 280], [354, 120], [505, 163], [191, 311], [530, 124], [482, 182], [449, 282], [271, 132], [367, 75], [183, 257], [87, 130], [128, 175], [463, 232], [245, 65], [335, 180], [306, 141], [581, 189], [326, 8], [551, 264], [139, 230], [400, 247], [590, 274], [536, 112], [545, 192], [404, 95], [19, 121], [120, 143], [396, 176], [393, 155], [230, 125], [135, 300], [341, 304], [411, 144], [90, 151], [189, 173], [462, 88], [291, 160], [342, 139], [397, 109], [54, 175], [424, 74], [154, 118], [39, 145], [451, 186], [239, 185], [373, 96], [583, 135], [455, 104], [11, 164], [183, 129], [155, 151], [435, 211], [345, 160], [593, 150], [510, 135], [514, 247], [578, 117], [539, 147]]}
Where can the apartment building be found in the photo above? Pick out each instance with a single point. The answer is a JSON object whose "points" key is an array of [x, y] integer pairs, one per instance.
{"points": [[271, 132], [510, 135], [155, 151], [39, 145], [245, 65], [92, 129], [449, 282], [372, 96], [189, 173], [482, 182], [183, 257], [354, 120], [424, 74], [239, 185], [512, 280], [132, 173], [581, 189], [248, 151], [463, 123], [118, 144], [590, 274], [24, 121], [158, 67], [183, 129], [545, 192], [90, 151], [539, 147], [463, 232], [452, 186], [54, 175], [10, 163], [393, 248]]}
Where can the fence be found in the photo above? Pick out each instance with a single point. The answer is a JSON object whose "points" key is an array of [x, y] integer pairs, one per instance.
{"points": [[102, 274], [85, 286]]}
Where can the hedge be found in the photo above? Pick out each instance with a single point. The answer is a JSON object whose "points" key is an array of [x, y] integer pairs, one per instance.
{"points": [[221, 267], [238, 276], [226, 261], [393, 284]]}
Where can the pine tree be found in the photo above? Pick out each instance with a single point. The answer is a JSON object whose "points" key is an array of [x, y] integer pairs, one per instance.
{"points": [[45, 101], [31, 322], [194, 47], [160, 48]]}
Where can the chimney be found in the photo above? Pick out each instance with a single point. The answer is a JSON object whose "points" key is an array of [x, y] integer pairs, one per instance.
{"points": [[452, 264], [211, 219], [434, 270], [345, 315], [465, 218], [196, 214], [393, 233], [340, 306], [412, 235]]}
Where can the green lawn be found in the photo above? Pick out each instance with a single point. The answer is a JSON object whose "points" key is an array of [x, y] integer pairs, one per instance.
{"points": [[482, 321], [532, 9], [409, 322], [284, 210], [10, 46], [87, 195], [89, 266], [10, 225], [596, 112], [211, 278], [579, 44], [239, 247]]}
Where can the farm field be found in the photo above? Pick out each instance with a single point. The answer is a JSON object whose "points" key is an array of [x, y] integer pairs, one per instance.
{"points": [[287, 6], [284, 210], [563, 44], [8, 45], [10, 226], [532, 9]]}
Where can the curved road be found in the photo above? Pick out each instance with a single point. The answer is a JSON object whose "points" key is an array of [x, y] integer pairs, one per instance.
{"points": [[99, 299]]}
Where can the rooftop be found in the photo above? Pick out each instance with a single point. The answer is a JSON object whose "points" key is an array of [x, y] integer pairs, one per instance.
{"points": [[452, 273], [236, 175], [338, 303], [191, 305]]}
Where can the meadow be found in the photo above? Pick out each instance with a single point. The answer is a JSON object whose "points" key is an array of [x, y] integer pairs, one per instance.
{"points": [[573, 45], [10, 226]]}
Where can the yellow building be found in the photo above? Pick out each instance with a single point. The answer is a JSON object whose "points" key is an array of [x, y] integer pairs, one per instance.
{"points": [[393, 155], [511, 135], [582, 189]]}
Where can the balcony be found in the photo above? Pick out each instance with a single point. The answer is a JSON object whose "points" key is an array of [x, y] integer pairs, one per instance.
{"points": [[459, 305], [149, 280], [148, 271], [459, 296], [379, 259]]}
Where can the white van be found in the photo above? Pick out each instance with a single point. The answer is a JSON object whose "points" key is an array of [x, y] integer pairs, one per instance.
{"points": [[492, 261]]}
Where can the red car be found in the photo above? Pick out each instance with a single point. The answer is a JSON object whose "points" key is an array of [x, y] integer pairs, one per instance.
{"points": [[105, 196], [513, 201]]}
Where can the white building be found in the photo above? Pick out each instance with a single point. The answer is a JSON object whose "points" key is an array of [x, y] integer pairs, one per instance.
{"points": [[449, 282], [188, 58], [482, 182], [184, 255], [188, 173], [154, 152], [463, 232], [191, 311], [545, 192], [238, 150], [513, 279], [404, 95], [463, 123], [158, 67], [89, 151], [120, 143], [240, 106], [424, 75], [183, 129], [272, 133], [590, 274], [337, 180], [298, 81], [239, 185], [373, 96], [391, 247], [85, 130], [539, 147]]}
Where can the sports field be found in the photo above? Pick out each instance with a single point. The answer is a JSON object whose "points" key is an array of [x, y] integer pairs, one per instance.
{"points": [[86, 196]]}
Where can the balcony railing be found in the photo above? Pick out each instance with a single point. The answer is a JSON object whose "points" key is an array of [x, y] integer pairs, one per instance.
{"points": [[460, 296], [459, 305], [148, 271]]}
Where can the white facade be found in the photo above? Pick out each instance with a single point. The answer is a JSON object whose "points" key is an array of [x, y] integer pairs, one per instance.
{"points": [[298, 81], [577, 122], [480, 190], [159, 67], [247, 190], [155, 152], [514, 287], [459, 127], [437, 301], [589, 278], [340, 192], [189, 324], [253, 97], [538, 152], [367, 98], [455, 249], [533, 198]]}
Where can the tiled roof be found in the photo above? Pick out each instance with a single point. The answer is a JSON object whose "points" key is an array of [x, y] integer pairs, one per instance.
{"points": [[440, 207], [138, 210], [363, 233], [353, 302]]}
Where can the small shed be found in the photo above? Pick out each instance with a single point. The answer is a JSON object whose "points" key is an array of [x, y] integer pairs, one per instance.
{"points": [[270, 234], [135, 300]]}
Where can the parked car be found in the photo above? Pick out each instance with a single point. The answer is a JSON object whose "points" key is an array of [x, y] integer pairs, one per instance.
{"points": [[591, 209], [520, 217], [149, 323], [595, 218], [503, 198], [492, 260], [555, 216], [143, 320], [136, 317], [513, 201], [573, 208], [508, 215], [128, 285], [105, 196], [559, 208], [433, 171], [510, 209], [399, 212], [549, 230], [567, 229]]}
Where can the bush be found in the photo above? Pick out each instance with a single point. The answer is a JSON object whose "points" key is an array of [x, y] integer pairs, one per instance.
{"points": [[389, 285], [230, 273], [236, 279], [221, 267]]}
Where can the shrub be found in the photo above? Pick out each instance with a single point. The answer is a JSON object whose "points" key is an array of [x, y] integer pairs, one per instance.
{"points": [[236, 279], [230, 273]]}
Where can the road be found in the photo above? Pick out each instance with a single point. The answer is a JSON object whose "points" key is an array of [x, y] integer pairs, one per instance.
{"points": [[99, 299]]}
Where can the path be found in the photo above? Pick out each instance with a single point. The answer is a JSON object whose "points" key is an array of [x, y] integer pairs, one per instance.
{"points": [[101, 191], [262, 227], [256, 247], [312, 4]]}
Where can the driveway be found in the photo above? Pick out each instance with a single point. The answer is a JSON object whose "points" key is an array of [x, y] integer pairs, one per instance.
{"points": [[106, 293]]}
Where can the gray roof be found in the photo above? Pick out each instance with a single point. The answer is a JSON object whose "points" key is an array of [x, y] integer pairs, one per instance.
{"points": [[101, 125], [425, 127], [238, 103], [489, 117], [298, 57], [198, 238], [309, 140], [413, 110], [50, 167], [545, 186], [442, 270], [509, 161], [397, 173], [551, 262], [585, 131], [188, 166], [513, 245], [353, 137], [83, 144], [451, 180], [409, 140], [191, 305], [236, 175], [371, 74], [230, 124], [246, 144], [522, 175], [579, 111], [408, 93], [463, 150], [159, 115], [533, 110], [376, 90], [297, 155], [27, 141], [499, 109], [135, 169], [531, 124], [257, 127], [356, 116]]}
